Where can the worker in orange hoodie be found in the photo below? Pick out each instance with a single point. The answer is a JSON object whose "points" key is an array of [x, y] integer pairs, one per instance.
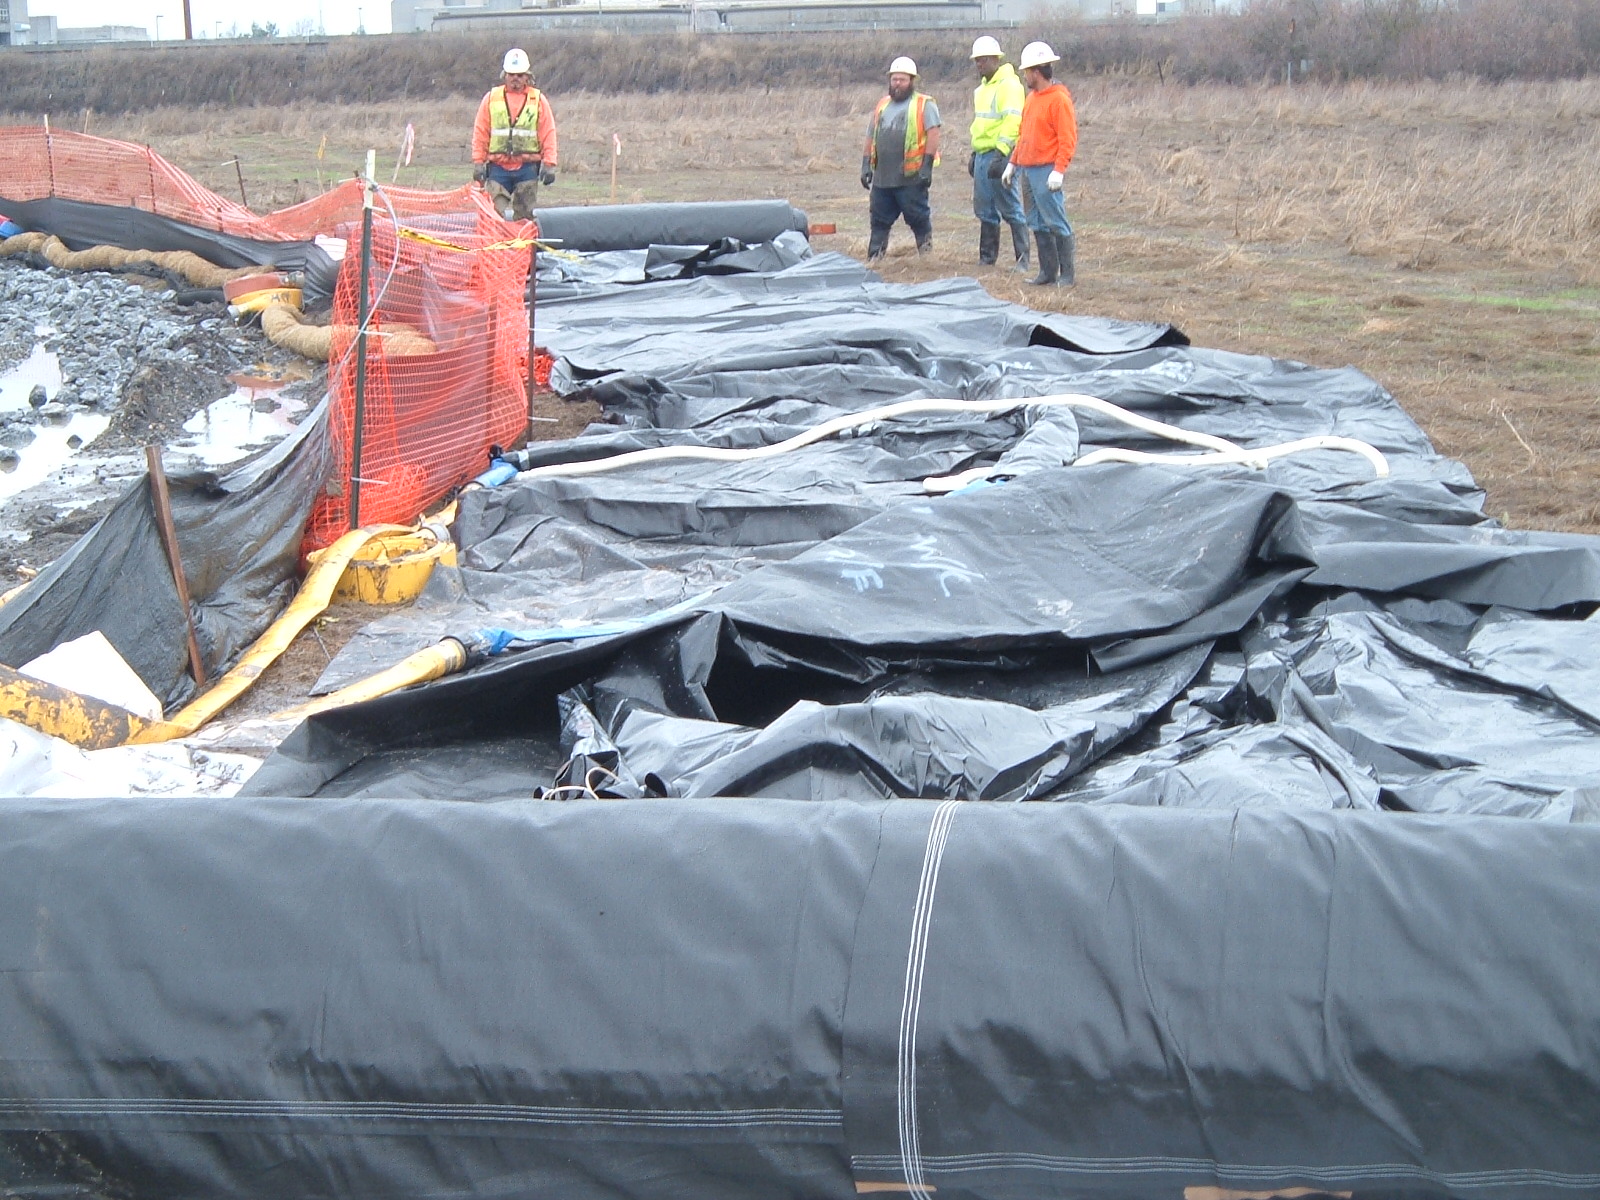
{"points": [[1045, 146], [514, 140]]}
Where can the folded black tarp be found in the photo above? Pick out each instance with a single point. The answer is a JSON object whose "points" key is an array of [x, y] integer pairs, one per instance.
{"points": [[736, 999], [238, 538]]}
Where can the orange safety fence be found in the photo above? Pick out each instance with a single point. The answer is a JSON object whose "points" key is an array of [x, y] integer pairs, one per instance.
{"points": [[432, 407], [447, 352]]}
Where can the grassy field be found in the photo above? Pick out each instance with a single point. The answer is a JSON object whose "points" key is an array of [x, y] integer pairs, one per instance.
{"points": [[1444, 238]]}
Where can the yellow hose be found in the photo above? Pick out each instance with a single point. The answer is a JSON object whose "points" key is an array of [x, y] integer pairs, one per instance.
{"points": [[445, 658], [311, 600], [87, 723]]}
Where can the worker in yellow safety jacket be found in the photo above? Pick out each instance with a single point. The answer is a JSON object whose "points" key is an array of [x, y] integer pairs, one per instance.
{"points": [[996, 122], [514, 140], [898, 160]]}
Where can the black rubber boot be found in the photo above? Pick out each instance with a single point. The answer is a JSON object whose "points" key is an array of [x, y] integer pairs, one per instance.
{"points": [[925, 243], [1067, 253], [1049, 259], [877, 243], [1019, 247], [988, 243]]}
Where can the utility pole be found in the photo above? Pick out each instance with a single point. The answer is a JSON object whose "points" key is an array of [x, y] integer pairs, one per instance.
{"points": [[188, 23]]}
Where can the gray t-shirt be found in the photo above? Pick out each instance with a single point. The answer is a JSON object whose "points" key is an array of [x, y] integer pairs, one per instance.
{"points": [[891, 141]]}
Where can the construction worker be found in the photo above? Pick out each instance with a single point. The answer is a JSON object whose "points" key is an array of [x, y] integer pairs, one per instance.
{"points": [[897, 163], [1045, 146], [996, 121], [514, 140]]}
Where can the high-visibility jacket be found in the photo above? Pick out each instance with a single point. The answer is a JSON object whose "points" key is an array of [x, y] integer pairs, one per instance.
{"points": [[997, 111], [513, 136], [498, 138], [1049, 136], [916, 133]]}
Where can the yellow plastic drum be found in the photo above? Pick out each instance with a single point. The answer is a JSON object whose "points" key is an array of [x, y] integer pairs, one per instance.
{"points": [[394, 568]]}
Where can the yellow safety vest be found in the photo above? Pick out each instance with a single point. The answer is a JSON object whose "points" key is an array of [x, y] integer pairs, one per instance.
{"points": [[916, 132], [513, 137], [997, 111]]}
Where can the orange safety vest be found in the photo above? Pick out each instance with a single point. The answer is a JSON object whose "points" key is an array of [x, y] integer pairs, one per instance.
{"points": [[916, 132]]}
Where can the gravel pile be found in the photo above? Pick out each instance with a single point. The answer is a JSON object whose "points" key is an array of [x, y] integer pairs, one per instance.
{"points": [[126, 351], [107, 329]]}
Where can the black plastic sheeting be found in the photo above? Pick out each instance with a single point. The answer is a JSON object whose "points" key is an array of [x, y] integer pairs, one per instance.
{"points": [[82, 225], [722, 998], [1307, 635], [239, 539], [638, 226]]}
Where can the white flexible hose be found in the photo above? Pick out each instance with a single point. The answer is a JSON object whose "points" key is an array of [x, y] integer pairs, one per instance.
{"points": [[1222, 450], [1257, 457]]}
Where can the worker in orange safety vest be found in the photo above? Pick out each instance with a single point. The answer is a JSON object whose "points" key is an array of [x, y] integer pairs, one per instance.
{"points": [[514, 140], [898, 160]]}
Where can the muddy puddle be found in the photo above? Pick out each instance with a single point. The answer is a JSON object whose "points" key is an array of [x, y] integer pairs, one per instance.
{"points": [[30, 452], [254, 415]]}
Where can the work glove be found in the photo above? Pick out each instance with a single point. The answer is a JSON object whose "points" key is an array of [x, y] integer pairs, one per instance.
{"points": [[866, 172], [1054, 182], [1008, 173], [997, 168], [547, 176], [972, 165], [480, 172], [925, 173]]}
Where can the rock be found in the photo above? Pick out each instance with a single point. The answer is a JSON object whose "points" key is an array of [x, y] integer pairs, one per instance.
{"points": [[54, 414], [16, 436], [9, 459], [37, 397]]}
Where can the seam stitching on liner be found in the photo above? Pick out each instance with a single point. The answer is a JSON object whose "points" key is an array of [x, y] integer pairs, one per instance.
{"points": [[955, 1163], [911, 999], [379, 1110]]}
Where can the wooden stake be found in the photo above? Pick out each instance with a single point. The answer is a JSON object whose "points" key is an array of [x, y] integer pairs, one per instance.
{"points": [[161, 501]]}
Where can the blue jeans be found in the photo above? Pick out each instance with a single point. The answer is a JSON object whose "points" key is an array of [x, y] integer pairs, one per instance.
{"points": [[910, 202], [507, 178], [1049, 210], [993, 201]]}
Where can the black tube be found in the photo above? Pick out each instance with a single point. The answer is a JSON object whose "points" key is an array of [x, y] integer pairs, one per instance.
{"points": [[637, 226]]}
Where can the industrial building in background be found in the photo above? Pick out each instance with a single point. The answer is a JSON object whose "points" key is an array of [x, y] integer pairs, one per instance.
{"points": [[762, 16], [13, 22], [17, 28]]}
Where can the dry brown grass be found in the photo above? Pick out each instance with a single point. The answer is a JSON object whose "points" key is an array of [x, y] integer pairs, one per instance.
{"points": [[1406, 172]]}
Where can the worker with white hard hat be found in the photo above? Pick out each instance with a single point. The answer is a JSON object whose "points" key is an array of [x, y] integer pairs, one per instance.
{"points": [[514, 140], [1045, 146], [898, 160], [996, 121]]}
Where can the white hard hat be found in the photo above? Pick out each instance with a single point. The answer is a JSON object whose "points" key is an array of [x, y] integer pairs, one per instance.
{"points": [[516, 62], [985, 46], [1037, 54], [902, 66]]}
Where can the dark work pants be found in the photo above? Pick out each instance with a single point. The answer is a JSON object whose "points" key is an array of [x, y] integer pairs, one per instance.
{"points": [[910, 202]]}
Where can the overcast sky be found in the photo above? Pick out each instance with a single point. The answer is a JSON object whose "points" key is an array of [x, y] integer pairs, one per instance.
{"points": [[210, 16]]}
